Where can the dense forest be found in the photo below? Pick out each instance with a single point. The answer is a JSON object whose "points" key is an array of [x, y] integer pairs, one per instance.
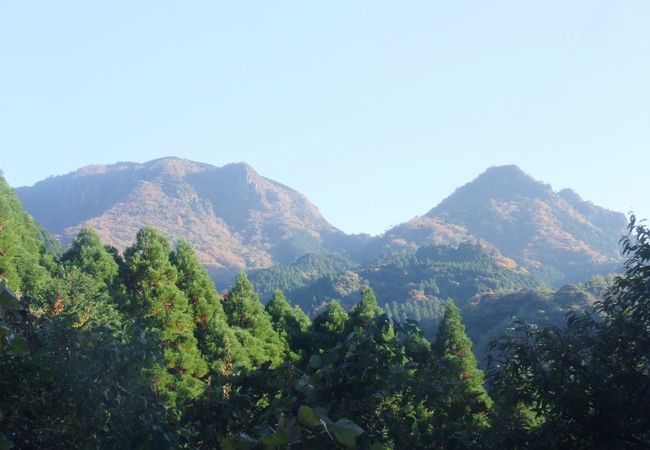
{"points": [[490, 289], [137, 349]]}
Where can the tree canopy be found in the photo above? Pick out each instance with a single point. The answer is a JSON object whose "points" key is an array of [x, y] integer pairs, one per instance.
{"points": [[138, 350]]}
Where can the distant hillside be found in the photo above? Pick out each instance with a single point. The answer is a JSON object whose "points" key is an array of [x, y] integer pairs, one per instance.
{"points": [[238, 219], [559, 236], [487, 315], [431, 274], [234, 217]]}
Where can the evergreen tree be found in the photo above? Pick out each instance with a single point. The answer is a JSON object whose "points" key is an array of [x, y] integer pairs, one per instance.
{"points": [[215, 338], [365, 310], [251, 324], [460, 404], [177, 367], [329, 326], [195, 282], [369, 378], [291, 323], [21, 247], [89, 254]]}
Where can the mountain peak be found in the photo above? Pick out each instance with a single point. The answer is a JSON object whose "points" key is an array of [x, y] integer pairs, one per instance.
{"points": [[526, 220], [175, 166], [497, 183], [505, 170], [233, 216], [509, 177]]}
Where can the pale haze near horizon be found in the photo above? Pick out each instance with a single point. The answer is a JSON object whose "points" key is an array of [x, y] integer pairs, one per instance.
{"points": [[376, 111]]}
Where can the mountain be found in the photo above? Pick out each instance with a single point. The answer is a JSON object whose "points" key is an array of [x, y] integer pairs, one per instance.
{"points": [[237, 219], [557, 235], [234, 217]]}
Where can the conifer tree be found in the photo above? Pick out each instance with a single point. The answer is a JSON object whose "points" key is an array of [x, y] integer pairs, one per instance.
{"points": [[290, 322], [329, 326], [251, 324], [177, 367], [215, 338], [21, 246], [89, 254], [463, 404], [365, 310]]}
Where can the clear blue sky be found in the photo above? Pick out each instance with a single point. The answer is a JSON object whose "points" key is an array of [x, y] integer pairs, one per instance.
{"points": [[376, 110]]}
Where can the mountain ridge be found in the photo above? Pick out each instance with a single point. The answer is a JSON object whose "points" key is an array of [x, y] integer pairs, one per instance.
{"points": [[236, 218], [543, 230]]}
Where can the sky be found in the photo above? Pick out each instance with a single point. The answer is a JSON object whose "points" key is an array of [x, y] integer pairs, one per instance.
{"points": [[375, 110]]}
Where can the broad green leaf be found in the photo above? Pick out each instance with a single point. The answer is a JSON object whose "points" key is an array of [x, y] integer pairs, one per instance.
{"points": [[315, 362], [19, 345], [346, 432], [277, 440], [307, 417]]}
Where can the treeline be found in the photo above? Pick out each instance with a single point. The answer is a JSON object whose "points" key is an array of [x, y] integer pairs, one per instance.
{"points": [[433, 272], [102, 350], [426, 313], [139, 351]]}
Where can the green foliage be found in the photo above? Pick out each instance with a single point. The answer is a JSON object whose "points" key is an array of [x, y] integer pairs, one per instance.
{"points": [[142, 352], [427, 313], [22, 252], [77, 386], [89, 254], [432, 273], [466, 403], [11, 342], [329, 326], [290, 322], [177, 366], [252, 324], [301, 273], [587, 382], [216, 340], [365, 310]]}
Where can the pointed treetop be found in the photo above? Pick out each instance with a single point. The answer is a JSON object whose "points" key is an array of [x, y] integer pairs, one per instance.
{"points": [[365, 310], [89, 254]]}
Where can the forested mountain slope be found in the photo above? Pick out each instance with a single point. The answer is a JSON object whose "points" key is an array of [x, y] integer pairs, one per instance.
{"points": [[556, 235], [237, 219], [432, 273], [234, 217]]}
